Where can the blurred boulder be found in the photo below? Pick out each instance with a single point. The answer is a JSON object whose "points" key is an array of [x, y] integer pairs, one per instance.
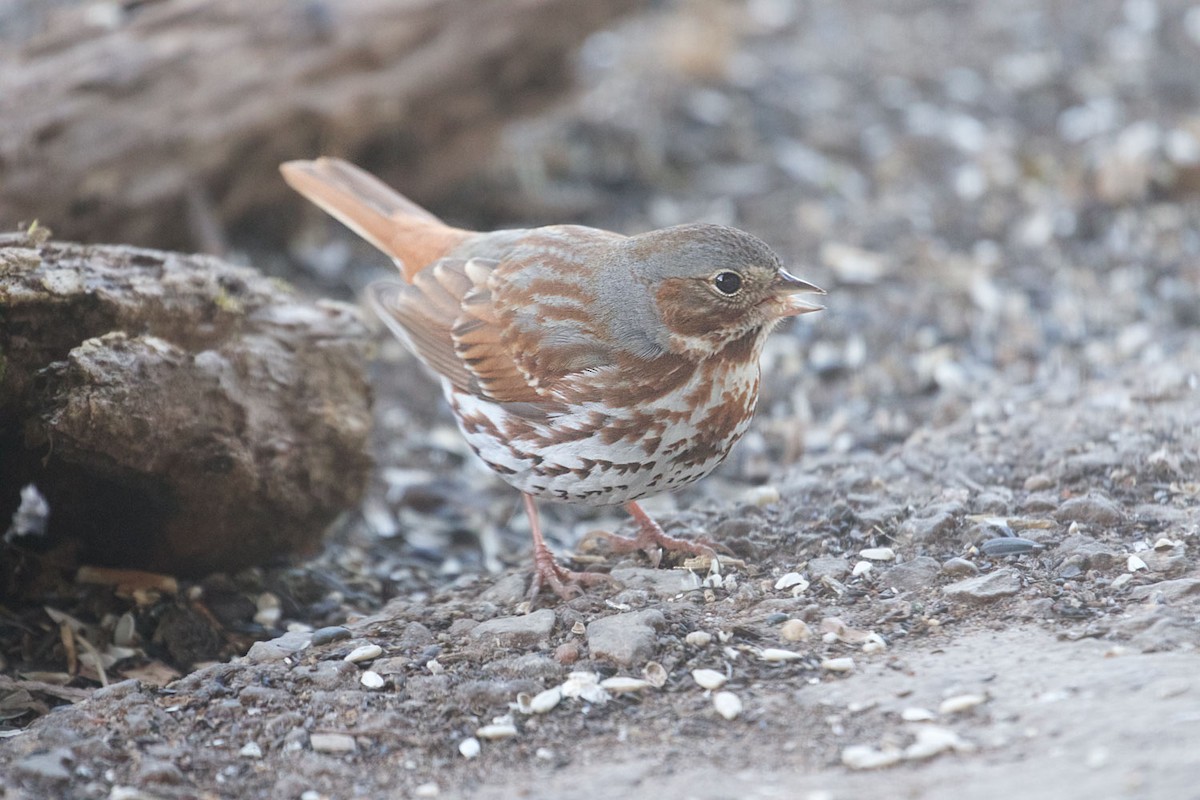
{"points": [[177, 413], [160, 123]]}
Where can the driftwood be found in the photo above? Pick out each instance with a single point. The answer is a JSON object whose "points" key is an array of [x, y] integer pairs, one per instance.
{"points": [[177, 413], [145, 125]]}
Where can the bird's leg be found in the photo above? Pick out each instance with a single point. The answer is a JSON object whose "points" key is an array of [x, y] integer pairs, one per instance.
{"points": [[547, 571], [651, 539]]}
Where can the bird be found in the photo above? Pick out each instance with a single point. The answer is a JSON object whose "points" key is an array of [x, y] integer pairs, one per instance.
{"points": [[581, 365]]}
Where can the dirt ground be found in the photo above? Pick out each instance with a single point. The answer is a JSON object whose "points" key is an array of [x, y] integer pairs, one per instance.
{"points": [[964, 527]]}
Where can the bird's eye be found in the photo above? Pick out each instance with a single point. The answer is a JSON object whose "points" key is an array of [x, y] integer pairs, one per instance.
{"points": [[727, 283]]}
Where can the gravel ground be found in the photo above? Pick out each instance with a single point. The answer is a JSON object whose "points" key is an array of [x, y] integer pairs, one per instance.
{"points": [[965, 521]]}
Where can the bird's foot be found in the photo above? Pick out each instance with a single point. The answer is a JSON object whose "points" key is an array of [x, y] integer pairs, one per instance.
{"points": [[565, 583], [652, 541]]}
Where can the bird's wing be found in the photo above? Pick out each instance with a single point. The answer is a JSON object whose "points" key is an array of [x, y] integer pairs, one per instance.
{"points": [[470, 322]]}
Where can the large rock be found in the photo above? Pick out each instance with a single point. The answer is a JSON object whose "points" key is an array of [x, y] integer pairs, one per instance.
{"points": [[177, 413]]}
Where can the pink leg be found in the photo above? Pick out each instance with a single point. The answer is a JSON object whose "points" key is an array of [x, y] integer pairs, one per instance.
{"points": [[651, 540], [546, 569]]}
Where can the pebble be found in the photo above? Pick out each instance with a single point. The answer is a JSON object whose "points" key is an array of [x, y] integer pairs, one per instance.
{"points": [[698, 638], [269, 611], [372, 680], [960, 567], [470, 747], [912, 575], [50, 764], [985, 588], [915, 714], [366, 652], [960, 703], [1008, 546], [1135, 563], [250, 750], [278, 648], [828, 567], [656, 674], [861, 756], [332, 743], [427, 790], [566, 653], [1038, 482], [727, 704], [709, 678], [625, 639], [332, 633], [497, 730], [1095, 509], [844, 664], [796, 630], [878, 554], [791, 579], [585, 686], [934, 739], [526, 630], [1168, 591], [545, 701], [761, 496], [660, 582], [621, 684], [932, 522], [776, 655], [861, 568]]}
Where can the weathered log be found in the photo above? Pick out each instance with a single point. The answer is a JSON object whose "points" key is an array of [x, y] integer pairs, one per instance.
{"points": [[120, 132], [177, 413]]}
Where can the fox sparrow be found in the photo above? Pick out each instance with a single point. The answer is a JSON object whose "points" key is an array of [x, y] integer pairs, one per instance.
{"points": [[581, 365]]}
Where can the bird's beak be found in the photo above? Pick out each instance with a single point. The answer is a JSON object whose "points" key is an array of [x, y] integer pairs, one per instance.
{"points": [[787, 291]]}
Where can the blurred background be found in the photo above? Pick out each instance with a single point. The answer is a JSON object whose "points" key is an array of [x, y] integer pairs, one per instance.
{"points": [[993, 193]]}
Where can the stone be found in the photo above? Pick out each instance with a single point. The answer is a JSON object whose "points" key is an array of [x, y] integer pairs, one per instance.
{"points": [[1093, 509], [960, 567], [661, 582], [526, 630], [1087, 553], [47, 764], [828, 567], [985, 588], [625, 639], [932, 522], [1167, 591], [912, 575], [279, 648], [336, 743], [329, 634]]}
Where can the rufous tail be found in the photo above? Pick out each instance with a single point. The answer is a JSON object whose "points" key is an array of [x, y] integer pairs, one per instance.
{"points": [[412, 236]]}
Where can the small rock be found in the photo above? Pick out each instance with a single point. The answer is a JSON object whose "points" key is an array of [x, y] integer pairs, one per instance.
{"points": [[1038, 482], [698, 638], [959, 567], [367, 652], [796, 630], [1094, 509], [727, 704], [526, 630], [50, 764], [777, 655], [497, 730], [933, 739], [469, 747], [860, 569], [1087, 553], [372, 680], [915, 714], [621, 684], [250, 750], [791, 579], [709, 678], [1135, 563], [661, 582], [545, 701], [985, 588], [878, 554], [1166, 591], [912, 575], [279, 648], [625, 639], [333, 633], [427, 790], [843, 664], [933, 522], [861, 756], [566, 653], [828, 567], [337, 743], [960, 703]]}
